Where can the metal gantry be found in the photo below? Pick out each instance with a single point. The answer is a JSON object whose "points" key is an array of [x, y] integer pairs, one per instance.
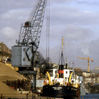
{"points": [[31, 30]]}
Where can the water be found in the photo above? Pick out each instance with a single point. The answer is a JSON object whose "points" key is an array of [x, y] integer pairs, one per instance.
{"points": [[90, 96]]}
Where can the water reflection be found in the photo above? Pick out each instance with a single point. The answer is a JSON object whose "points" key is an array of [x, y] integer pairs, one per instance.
{"points": [[70, 97]]}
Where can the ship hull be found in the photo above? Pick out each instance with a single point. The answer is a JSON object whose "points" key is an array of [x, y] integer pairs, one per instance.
{"points": [[60, 91]]}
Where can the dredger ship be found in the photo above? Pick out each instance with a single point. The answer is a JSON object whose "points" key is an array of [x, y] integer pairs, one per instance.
{"points": [[61, 82]]}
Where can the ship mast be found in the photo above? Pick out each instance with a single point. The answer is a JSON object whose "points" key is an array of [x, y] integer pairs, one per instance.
{"points": [[61, 65], [62, 56]]}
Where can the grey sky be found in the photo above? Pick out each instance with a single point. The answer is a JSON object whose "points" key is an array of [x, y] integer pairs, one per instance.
{"points": [[76, 20]]}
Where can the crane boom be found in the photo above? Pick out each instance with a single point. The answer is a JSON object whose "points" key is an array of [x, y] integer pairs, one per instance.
{"points": [[88, 59], [31, 29]]}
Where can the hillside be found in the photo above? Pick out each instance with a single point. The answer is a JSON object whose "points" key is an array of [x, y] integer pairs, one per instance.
{"points": [[6, 73]]}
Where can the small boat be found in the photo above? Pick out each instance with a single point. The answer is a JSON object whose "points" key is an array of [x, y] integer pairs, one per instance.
{"points": [[61, 82]]}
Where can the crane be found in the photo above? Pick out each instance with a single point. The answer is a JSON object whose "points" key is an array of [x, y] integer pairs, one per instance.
{"points": [[88, 59], [29, 37], [23, 54]]}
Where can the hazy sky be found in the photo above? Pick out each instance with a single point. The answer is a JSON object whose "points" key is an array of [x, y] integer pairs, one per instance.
{"points": [[76, 20]]}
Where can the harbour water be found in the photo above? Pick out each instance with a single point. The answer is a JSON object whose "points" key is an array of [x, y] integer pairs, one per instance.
{"points": [[90, 96]]}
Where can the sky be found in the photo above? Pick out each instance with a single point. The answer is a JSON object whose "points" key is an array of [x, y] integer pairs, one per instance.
{"points": [[75, 20]]}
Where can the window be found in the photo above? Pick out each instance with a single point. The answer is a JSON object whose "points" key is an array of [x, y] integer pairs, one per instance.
{"points": [[66, 72]]}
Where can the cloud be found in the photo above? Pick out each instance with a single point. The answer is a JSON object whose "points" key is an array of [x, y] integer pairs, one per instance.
{"points": [[91, 2], [8, 36], [72, 15], [60, 1], [94, 48], [71, 33], [16, 13], [9, 32], [10, 4], [94, 52], [85, 49], [75, 32]]}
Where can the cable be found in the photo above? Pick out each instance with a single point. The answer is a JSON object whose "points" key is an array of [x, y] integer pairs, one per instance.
{"points": [[48, 31]]}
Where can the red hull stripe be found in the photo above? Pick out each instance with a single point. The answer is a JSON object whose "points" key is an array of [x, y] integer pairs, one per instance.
{"points": [[61, 71]]}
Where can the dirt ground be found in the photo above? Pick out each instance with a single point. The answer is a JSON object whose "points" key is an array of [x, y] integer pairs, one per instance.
{"points": [[7, 73]]}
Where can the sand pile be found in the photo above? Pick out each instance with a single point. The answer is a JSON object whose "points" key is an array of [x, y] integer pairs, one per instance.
{"points": [[6, 73], [5, 90]]}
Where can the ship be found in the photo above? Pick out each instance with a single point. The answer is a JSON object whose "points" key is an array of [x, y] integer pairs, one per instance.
{"points": [[61, 81]]}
